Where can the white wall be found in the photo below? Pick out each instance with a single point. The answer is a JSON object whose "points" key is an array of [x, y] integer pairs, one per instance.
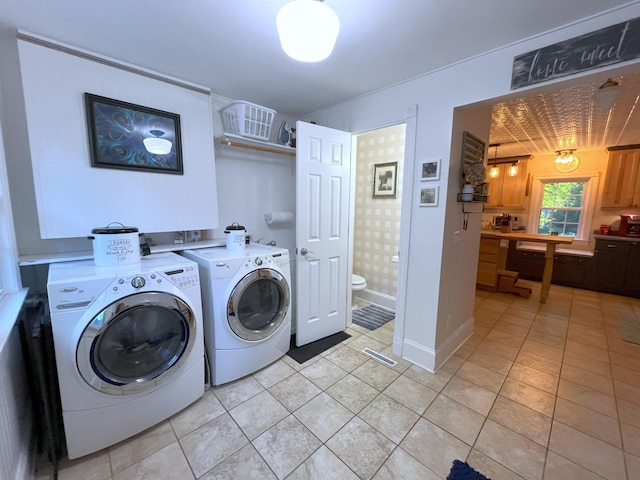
{"points": [[251, 183], [439, 277], [66, 197]]}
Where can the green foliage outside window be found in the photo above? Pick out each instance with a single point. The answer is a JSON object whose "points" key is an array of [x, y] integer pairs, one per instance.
{"points": [[561, 208]]}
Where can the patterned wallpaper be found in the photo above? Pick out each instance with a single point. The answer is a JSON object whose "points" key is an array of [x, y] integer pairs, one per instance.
{"points": [[377, 220]]}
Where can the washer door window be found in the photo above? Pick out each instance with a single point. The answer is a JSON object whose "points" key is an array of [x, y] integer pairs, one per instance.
{"points": [[258, 304], [136, 343]]}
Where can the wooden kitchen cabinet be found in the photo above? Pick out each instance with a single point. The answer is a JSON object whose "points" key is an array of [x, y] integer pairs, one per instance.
{"points": [[572, 271], [614, 267], [622, 182], [491, 260], [610, 266], [632, 276], [506, 191], [527, 263]]}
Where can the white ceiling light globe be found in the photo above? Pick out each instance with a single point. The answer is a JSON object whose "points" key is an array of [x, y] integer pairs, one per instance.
{"points": [[308, 30]]}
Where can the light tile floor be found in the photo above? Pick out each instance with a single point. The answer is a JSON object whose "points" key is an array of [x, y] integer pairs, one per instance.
{"points": [[538, 392]]}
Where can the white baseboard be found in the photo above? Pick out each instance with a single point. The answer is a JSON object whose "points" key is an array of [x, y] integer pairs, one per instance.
{"points": [[455, 341], [377, 298], [428, 358]]}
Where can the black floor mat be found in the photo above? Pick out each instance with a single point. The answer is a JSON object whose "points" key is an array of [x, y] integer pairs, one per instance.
{"points": [[310, 350]]}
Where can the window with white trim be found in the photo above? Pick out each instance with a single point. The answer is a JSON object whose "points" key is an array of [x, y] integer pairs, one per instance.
{"points": [[563, 205], [561, 208]]}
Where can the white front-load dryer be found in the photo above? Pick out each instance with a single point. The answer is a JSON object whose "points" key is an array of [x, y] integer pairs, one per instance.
{"points": [[246, 296], [129, 346]]}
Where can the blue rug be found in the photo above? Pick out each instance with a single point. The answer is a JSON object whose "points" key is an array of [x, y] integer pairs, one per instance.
{"points": [[462, 471], [372, 316]]}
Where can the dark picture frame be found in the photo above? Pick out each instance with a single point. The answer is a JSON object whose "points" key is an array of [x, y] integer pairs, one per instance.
{"points": [[385, 180], [117, 131]]}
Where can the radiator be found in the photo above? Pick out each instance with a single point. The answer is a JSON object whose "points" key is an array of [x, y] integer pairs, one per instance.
{"points": [[15, 412]]}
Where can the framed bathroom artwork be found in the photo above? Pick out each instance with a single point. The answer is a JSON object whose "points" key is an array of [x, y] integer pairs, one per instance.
{"points": [[429, 196], [430, 170], [385, 180], [132, 137]]}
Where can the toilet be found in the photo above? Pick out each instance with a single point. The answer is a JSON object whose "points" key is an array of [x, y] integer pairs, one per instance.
{"points": [[357, 283]]}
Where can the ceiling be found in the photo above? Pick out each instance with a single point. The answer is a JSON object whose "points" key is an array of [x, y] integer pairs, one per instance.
{"points": [[232, 47], [567, 119]]}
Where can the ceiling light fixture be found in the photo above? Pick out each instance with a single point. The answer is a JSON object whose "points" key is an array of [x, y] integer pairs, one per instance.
{"points": [[157, 145], [607, 94], [308, 29], [566, 161], [495, 171], [513, 169]]}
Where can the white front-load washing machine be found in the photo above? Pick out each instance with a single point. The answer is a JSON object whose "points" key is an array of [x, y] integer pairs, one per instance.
{"points": [[246, 297], [129, 346]]}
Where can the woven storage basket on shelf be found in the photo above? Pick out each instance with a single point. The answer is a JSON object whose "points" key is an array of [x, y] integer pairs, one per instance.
{"points": [[248, 120]]}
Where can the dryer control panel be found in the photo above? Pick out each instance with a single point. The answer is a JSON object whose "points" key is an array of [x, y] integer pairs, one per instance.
{"points": [[183, 277]]}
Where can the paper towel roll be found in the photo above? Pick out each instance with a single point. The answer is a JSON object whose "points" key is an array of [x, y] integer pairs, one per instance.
{"points": [[277, 219]]}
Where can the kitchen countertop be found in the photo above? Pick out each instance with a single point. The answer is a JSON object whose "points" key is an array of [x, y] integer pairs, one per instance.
{"points": [[616, 238], [529, 237]]}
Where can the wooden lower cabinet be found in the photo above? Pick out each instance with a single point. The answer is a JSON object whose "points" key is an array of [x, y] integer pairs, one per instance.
{"points": [[610, 265], [528, 264], [572, 271], [491, 259], [632, 276], [614, 268]]}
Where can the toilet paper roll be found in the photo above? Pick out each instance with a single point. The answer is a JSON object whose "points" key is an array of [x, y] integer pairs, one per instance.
{"points": [[277, 219]]}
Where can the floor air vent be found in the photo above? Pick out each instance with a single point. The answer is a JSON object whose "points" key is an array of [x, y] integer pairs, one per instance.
{"points": [[381, 358]]}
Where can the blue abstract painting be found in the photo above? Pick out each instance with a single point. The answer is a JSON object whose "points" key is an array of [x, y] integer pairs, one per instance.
{"points": [[127, 136]]}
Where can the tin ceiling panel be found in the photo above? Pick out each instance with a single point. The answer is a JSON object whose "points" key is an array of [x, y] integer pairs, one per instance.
{"points": [[567, 119]]}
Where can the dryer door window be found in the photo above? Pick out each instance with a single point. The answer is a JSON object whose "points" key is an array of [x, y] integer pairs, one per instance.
{"points": [[136, 343], [258, 304]]}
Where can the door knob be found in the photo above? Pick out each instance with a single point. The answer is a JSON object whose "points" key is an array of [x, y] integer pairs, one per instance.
{"points": [[304, 251]]}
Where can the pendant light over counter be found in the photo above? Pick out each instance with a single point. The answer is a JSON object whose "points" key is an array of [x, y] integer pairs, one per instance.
{"points": [[512, 170], [308, 29]]}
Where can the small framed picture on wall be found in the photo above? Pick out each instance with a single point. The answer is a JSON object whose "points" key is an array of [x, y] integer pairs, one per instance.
{"points": [[429, 196], [430, 170], [385, 180]]}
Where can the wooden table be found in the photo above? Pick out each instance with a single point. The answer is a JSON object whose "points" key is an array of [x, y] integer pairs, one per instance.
{"points": [[550, 240]]}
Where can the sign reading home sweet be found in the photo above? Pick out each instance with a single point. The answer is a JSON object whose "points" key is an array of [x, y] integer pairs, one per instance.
{"points": [[618, 43]]}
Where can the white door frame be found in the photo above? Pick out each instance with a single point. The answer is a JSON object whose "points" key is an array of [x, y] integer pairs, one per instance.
{"points": [[410, 119]]}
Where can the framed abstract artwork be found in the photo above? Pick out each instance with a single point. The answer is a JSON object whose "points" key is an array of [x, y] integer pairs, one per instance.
{"points": [[132, 137]]}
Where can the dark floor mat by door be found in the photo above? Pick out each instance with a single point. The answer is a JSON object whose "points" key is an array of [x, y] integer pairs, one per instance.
{"points": [[310, 350]]}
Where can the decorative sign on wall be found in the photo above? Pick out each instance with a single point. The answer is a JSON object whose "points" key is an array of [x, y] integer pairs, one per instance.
{"points": [[618, 43], [127, 136], [473, 170]]}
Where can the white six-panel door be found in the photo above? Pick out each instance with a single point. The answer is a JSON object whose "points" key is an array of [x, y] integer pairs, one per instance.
{"points": [[322, 230]]}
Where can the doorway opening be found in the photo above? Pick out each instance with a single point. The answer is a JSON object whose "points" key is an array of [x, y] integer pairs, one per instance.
{"points": [[379, 171]]}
